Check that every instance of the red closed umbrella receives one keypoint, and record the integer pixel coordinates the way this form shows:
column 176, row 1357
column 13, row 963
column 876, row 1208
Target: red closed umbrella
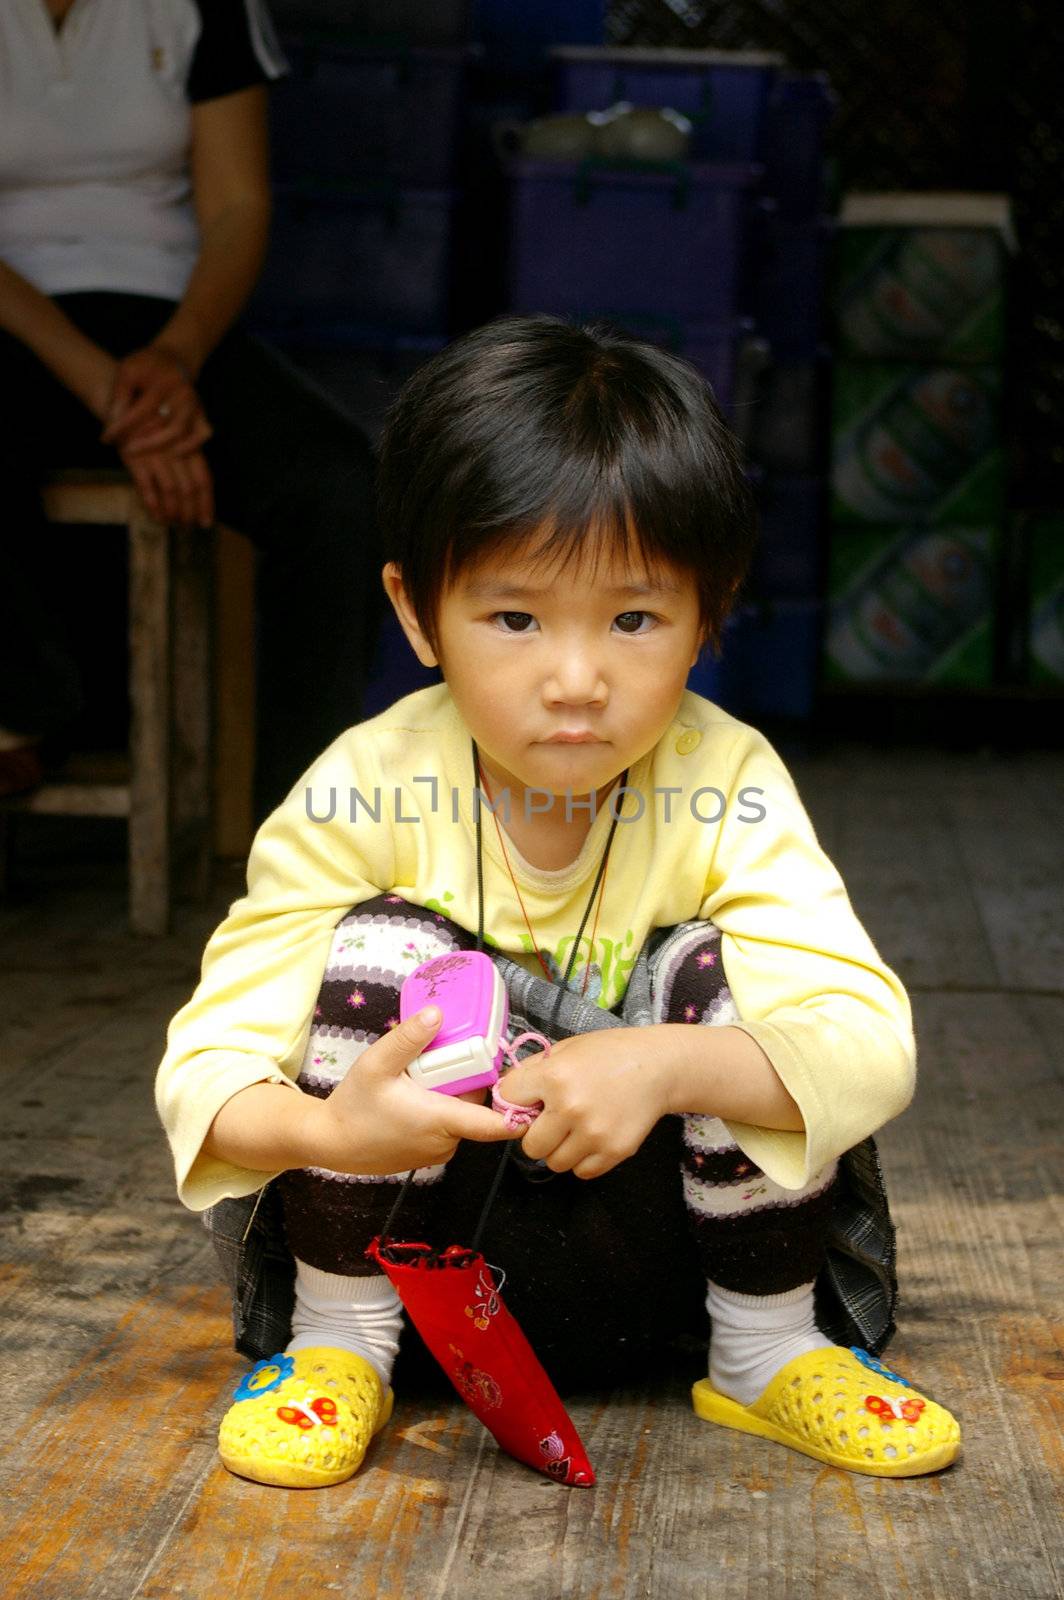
column 453, row 1297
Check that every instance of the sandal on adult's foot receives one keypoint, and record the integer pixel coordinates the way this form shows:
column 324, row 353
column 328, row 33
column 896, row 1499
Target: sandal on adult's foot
column 305, row 1420
column 844, row 1407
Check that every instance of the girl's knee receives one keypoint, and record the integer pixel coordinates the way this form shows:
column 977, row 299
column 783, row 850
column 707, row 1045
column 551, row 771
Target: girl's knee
column 689, row 981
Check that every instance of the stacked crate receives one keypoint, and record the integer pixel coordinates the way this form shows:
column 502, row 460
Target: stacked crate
column 368, row 134
column 720, row 257
column 779, row 628
column 918, row 480
column 367, row 139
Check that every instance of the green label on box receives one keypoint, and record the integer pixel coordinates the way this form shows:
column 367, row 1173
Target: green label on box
column 920, row 294
column 911, row 605
column 916, row 444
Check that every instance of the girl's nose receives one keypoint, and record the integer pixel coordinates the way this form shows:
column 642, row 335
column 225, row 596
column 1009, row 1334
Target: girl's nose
column 576, row 679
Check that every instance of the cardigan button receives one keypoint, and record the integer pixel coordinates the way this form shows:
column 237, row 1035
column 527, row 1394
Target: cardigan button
column 688, row 741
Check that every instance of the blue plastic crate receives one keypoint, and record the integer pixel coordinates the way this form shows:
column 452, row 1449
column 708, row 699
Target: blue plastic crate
column 668, row 240
column 790, row 421
column 352, row 112
column 516, row 34
column 791, row 558
column 719, row 681
column 396, row 670
column 358, row 370
column 776, row 658
column 798, row 114
column 788, row 279
column 375, row 255
column 724, row 93
column 402, row 22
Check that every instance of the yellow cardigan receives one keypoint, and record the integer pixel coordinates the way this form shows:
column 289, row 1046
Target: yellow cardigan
column 712, row 827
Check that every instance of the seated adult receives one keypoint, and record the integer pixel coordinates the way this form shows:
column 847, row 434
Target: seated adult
column 134, row 212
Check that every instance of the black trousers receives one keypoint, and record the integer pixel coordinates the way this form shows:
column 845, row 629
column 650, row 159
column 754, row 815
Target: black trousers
column 291, row 471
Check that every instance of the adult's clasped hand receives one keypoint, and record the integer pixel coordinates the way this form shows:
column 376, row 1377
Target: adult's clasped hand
column 154, row 405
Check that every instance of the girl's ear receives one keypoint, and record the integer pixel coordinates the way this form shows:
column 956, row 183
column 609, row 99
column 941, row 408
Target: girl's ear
column 392, row 579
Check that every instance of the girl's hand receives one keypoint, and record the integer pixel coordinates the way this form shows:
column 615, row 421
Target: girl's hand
column 379, row 1120
column 174, row 488
column 154, row 406
column 602, row 1093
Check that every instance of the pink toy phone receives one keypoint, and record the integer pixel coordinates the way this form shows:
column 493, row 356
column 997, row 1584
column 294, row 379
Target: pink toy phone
column 470, row 1043
column 467, row 1048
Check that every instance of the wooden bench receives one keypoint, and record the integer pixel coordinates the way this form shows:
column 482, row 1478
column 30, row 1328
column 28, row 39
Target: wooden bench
column 187, row 589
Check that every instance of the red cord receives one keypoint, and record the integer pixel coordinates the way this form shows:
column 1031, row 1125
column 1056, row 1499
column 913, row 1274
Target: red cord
column 517, row 891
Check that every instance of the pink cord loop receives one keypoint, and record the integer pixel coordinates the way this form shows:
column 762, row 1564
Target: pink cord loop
column 515, row 1115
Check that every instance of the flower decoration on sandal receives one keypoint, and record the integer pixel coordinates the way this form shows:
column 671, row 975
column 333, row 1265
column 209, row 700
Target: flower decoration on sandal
column 264, row 1376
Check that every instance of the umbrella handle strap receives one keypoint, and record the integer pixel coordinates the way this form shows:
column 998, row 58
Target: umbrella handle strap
column 508, row 1049
column 386, row 1231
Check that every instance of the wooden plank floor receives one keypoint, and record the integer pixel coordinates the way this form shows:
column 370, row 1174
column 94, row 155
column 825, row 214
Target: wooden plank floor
column 115, row 1364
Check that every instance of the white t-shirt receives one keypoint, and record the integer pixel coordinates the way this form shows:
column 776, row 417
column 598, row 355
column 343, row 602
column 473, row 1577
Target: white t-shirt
column 95, row 130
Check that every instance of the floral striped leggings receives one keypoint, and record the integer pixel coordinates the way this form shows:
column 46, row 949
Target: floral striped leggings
column 628, row 1253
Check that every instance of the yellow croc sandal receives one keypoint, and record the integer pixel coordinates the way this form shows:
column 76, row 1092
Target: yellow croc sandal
column 844, row 1407
column 304, row 1420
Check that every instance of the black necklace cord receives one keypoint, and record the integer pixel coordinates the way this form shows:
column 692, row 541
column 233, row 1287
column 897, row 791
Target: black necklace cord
column 408, row 1180
column 562, row 989
column 508, row 1152
column 480, row 845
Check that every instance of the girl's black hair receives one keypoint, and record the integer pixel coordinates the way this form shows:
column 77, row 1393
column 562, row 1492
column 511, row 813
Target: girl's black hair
column 595, row 439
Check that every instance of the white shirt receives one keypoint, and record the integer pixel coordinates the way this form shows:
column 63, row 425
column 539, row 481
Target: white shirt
column 95, row 132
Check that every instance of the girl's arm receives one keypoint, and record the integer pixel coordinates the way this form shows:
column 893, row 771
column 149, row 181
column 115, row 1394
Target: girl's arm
column 230, row 185
column 723, row 1072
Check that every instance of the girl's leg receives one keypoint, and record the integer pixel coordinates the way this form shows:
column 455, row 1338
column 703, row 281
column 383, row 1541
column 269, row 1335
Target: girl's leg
column 772, row 1371
column 305, row 1416
column 341, row 1299
column 761, row 1246
column 613, row 1255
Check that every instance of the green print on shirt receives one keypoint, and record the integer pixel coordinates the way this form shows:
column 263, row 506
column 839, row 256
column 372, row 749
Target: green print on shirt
column 608, row 978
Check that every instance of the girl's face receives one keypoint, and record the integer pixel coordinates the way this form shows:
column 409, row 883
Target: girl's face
column 532, row 653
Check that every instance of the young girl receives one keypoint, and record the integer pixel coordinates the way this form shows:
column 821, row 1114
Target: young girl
column 569, row 524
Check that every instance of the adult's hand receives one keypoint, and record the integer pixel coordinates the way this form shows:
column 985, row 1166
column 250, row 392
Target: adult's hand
column 175, row 488
column 154, row 406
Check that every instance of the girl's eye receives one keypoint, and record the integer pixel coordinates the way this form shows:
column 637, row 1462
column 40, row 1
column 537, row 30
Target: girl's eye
column 628, row 615
column 516, row 617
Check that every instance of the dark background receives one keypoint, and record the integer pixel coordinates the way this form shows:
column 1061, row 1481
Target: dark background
column 959, row 94
column 950, row 96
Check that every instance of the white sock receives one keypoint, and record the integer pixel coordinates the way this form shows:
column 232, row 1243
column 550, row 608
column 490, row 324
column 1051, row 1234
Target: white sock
column 755, row 1335
column 363, row 1315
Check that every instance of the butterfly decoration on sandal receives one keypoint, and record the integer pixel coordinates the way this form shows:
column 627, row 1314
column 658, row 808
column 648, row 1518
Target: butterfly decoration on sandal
column 907, row 1410
column 307, row 1414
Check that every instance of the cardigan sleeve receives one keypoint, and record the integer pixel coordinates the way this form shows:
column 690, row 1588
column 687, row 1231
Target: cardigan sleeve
column 809, row 986
column 249, row 1018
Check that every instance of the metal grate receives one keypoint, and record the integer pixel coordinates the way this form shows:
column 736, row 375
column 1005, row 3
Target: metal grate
column 951, row 96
